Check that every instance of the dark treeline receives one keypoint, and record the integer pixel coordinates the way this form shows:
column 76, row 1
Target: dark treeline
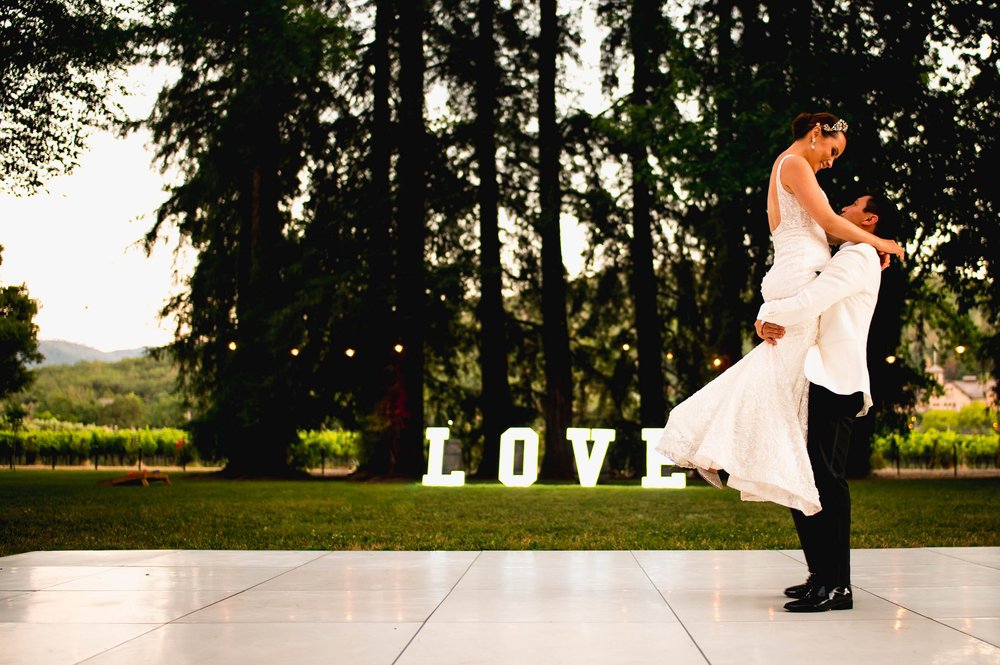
column 375, row 189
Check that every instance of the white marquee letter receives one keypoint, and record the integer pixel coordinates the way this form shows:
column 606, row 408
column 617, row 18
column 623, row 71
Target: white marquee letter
column 655, row 461
column 435, row 461
column 588, row 464
column 529, row 460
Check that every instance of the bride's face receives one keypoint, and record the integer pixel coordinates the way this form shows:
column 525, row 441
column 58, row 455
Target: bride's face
column 828, row 149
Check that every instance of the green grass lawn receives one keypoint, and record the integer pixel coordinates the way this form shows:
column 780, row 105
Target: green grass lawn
column 55, row 510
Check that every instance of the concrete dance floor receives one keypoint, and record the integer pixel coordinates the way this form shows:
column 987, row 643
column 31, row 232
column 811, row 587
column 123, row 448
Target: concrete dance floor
column 926, row 605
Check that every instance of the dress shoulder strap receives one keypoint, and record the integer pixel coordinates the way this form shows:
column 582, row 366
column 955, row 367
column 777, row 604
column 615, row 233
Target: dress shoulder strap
column 780, row 186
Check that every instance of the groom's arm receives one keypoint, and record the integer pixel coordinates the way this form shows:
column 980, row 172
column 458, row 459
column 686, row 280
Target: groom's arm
column 848, row 272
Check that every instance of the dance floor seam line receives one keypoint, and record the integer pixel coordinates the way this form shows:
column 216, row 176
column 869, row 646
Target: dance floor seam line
column 177, row 620
column 929, row 618
column 241, row 591
column 966, row 561
column 672, row 610
column 429, row 616
column 153, row 629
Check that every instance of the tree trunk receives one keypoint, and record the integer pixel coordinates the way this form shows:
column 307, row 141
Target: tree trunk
column 496, row 397
column 729, row 270
column 557, row 463
column 649, row 340
column 689, row 360
column 729, row 266
column 407, row 457
column 377, row 360
column 259, row 437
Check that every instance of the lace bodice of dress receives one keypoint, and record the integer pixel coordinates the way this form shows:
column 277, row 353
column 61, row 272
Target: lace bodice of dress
column 800, row 247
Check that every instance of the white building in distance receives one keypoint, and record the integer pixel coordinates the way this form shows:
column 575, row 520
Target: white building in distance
column 958, row 393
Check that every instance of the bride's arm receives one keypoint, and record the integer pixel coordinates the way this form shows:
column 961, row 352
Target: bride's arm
column 802, row 181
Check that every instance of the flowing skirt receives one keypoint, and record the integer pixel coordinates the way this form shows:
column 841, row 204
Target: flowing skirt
column 751, row 421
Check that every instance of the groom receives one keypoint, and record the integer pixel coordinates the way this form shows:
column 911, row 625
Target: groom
column 843, row 296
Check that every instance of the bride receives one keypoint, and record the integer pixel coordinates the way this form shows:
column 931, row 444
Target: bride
column 751, row 419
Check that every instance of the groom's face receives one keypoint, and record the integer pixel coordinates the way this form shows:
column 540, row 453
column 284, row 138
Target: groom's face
column 855, row 212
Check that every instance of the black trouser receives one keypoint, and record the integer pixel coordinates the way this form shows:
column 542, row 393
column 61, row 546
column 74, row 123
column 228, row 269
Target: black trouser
column 826, row 536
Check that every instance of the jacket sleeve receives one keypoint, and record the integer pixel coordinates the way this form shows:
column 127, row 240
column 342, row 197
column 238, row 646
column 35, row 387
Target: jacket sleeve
column 847, row 273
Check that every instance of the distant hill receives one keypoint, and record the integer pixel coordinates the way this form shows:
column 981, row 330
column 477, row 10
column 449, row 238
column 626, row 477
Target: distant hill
column 59, row 352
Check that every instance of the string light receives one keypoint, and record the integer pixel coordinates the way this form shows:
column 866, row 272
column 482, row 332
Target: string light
column 960, row 349
column 232, row 346
column 349, row 353
column 625, row 346
column 399, row 348
column 890, row 359
column 294, row 352
column 716, row 362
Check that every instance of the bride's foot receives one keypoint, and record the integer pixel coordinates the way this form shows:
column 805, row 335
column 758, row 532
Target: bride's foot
column 711, row 476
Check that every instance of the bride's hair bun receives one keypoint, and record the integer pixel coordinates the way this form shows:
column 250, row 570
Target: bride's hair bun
column 804, row 122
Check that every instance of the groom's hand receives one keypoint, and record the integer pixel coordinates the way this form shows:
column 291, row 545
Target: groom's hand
column 769, row 332
column 884, row 258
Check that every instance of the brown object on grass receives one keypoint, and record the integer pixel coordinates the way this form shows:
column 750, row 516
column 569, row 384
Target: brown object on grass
column 139, row 478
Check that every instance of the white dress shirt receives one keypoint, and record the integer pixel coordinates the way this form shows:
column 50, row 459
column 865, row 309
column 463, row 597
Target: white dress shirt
column 843, row 296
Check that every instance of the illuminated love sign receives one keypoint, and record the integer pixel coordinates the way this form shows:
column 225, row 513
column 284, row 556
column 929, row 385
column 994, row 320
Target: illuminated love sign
column 589, row 459
column 435, row 461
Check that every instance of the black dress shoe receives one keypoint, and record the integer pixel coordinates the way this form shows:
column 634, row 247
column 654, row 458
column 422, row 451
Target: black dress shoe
column 819, row 599
column 800, row 590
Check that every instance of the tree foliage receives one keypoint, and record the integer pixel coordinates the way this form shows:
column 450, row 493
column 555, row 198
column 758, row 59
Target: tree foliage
column 59, row 65
column 134, row 392
column 18, row 337
column 241, row 123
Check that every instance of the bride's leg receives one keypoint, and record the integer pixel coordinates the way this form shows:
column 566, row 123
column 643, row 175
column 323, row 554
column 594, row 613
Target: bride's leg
column 711, row 476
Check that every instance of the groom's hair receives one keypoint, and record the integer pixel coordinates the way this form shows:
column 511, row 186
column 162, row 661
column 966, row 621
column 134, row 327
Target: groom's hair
column 888, row 214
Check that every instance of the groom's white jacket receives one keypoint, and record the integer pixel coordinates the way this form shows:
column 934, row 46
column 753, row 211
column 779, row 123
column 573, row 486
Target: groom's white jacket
column 843, row 296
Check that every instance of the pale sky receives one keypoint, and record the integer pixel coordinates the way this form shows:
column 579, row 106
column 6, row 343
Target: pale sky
column 77, row 246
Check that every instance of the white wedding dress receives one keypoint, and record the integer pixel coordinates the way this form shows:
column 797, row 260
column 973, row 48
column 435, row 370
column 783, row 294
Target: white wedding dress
column 751, row 419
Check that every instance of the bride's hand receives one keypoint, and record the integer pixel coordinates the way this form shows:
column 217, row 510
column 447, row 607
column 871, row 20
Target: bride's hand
column 886, row 246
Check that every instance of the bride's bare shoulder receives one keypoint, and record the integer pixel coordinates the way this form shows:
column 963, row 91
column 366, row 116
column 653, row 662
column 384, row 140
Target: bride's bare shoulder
column 794, row 170
column 782, row 161
column 788, row 157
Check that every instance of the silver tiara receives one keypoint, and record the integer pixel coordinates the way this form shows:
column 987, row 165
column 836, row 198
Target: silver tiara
column 839, row 126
